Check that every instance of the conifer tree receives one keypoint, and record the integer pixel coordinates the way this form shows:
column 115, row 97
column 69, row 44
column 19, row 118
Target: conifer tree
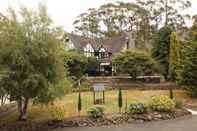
column 174, row 59
column 120, row 99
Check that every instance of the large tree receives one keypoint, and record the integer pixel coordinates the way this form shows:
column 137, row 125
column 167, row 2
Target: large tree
column 135, row 63
column 31, row 58
column 161, row 49
column 189, row 68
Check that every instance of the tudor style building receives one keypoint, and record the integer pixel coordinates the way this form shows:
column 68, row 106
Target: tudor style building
column 103, row 50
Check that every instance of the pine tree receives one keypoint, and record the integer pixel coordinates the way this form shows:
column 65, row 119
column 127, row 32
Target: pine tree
column 120, row 100
column 79, row 103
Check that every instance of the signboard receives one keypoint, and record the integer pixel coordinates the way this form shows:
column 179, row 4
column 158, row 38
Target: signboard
column 99, row 87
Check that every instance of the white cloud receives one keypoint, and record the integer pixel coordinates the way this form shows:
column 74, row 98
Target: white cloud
column 63, row 12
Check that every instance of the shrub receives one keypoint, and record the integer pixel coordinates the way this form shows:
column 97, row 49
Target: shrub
column 96, row 112
column 161, row 103
column 79, row 106
column 57, row 113
column 137, row 108
column 120, row 99
column 178, row 104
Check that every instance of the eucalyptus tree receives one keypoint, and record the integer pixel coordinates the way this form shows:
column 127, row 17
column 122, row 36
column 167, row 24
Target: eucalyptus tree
column 31, row 58
column 88, row 24
column 167, row 11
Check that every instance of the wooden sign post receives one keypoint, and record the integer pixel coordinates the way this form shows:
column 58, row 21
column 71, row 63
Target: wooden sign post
column 98, row 88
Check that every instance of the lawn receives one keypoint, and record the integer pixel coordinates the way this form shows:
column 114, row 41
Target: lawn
column 69, row 102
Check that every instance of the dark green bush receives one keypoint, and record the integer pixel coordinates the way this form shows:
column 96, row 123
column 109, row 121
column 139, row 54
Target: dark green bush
column 137, row 108
column 96, row 112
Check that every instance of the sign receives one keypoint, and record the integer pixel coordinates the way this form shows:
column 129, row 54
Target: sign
column 99, row 87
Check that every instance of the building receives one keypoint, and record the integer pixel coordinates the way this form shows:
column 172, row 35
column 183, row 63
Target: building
column 102, row 49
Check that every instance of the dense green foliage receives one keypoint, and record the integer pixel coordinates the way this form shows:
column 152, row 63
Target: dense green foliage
column 161, row 49
column 174, row 58
column 135, row 63
column 162, row 103
column 96, row 112
column 31, row 58
column 120, row 100
column 78, row 64
column 189, row 67
column 137, row 108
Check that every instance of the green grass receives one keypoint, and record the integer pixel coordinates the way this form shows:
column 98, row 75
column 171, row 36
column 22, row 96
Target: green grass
column 42, row 113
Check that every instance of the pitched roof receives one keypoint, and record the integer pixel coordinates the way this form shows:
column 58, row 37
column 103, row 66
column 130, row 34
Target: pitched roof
column 113, row 45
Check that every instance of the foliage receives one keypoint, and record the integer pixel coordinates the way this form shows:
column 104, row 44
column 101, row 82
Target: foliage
column 92, row 65
column 78, row 64
column 174, row 58
column 135, row 63
column 120, row 101
column 96, row 112
column 58, row 113
column 162, row 103
column 31, row 57
column 188, row 73
column 79, row 107
column 161, row 49
column 143, row 18
column 178, row 104
column 137, row 108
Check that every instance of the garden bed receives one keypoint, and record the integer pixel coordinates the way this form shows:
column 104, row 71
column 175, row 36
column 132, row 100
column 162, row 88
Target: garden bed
column 85, row 121
column 118, row 119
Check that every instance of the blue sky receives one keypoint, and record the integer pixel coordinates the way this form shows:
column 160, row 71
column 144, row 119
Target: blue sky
column 63, row 12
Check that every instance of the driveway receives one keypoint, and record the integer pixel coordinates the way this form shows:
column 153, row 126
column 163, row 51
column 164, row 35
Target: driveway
column 188, row 123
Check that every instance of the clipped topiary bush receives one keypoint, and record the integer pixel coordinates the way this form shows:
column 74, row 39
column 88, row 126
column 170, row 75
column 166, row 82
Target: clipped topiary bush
column 96, row 112
column 137, row 108
column 162, row 103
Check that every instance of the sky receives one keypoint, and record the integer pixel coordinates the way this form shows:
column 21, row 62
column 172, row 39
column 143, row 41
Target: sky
column 64, row 12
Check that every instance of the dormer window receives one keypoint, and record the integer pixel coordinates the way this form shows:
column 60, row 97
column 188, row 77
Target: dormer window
column 88, row 50
column 103, row 53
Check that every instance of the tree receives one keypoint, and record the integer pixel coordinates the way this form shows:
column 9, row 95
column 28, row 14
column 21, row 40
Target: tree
column 169, row 9
column 120, row 99
column 189, row 68
column 135, row 63
column 31, row 58
column 79, row 106
column 76, row 63
column 174, row 60
column 161, row 49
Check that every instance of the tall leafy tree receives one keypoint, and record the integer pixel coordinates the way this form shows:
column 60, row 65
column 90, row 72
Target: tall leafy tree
column 161, row 49
column 189, row 68
column 31, row 58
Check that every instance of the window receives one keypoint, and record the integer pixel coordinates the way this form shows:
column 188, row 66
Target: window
column 88, row 50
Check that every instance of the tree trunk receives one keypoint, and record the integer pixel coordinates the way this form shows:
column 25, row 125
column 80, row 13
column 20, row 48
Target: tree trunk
column 166, row 13
column 22, row 108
